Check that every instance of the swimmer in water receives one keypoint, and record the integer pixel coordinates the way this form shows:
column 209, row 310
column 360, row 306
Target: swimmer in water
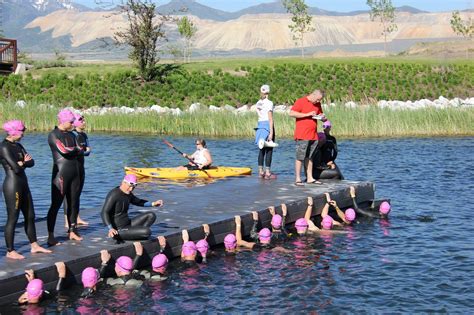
column 125, row 268
column 158, row 264
column 35, row 291
column 115, row 212
column 384, row 208
column 16, row 191
column 278, row 223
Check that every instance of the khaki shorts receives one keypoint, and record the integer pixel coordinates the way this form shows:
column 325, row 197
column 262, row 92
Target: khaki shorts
column 305, row 149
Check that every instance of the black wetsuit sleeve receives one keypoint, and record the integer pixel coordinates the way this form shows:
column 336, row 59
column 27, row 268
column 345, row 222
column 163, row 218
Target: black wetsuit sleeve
column 108, row 208
column 253, row 231
column 283, row 226
column 9, row 157
column 361, row 211
column 29, row 163
column 61, row 284
column 335, row 150
column 137, row 201
column 103, row 270
column 136, row 260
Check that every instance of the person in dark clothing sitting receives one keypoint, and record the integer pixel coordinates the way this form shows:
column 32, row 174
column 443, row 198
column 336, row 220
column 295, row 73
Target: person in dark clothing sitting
column 115, row 212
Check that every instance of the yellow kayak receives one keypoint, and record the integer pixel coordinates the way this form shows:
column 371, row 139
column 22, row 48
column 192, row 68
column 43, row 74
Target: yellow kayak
column 173, row 173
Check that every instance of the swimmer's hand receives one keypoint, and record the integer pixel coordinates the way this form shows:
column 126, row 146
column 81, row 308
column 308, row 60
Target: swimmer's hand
column 29, row 274
column 328, row 197
column 333, row 203
column 112, row 233
column 138, row 248
column 352, row 192
column 310, row 201
column 104, row 256
column 207, row 229
column 284, row 209
column 61, row 268
column 162, row 241
column 237, row 220
column 157, row 203
column 272, row 210
column 255, row 215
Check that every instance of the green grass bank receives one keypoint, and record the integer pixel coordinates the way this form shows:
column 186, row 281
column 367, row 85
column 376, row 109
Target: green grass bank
column 237, row 82
column 361, row 122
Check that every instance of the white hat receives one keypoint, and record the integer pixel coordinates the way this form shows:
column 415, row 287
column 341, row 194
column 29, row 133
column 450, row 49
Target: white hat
column 265, row 89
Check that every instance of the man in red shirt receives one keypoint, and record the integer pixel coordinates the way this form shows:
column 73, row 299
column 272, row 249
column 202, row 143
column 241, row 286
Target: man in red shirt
column 306, row 110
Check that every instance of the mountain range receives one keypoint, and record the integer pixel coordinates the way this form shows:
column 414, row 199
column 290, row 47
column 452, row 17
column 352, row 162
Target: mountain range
column 43, row 25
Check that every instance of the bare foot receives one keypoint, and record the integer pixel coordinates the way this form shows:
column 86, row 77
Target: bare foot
column 81, row 222
column 35, row 248
column 14, row 255
column 52, row 241
column 73, row 236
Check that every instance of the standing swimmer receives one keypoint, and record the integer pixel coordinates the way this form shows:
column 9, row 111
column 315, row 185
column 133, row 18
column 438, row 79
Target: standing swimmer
column 65, row 182
column 83, row 142
column 15, row 159
column 265, row 133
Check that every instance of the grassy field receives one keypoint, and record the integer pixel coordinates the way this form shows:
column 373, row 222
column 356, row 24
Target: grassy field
column 363, row 122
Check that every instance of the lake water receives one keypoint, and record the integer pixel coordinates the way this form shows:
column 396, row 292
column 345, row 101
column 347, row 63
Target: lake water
column 421, row 260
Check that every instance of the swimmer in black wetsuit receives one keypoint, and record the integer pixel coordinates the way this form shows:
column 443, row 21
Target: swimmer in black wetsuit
column 125, row 268
column 83, row 142
column 115, row 212
column 35, row 292
column 383, row 212
column 158, row 264
column 327, row 167
column 189, row 250
column 15, row 159
column 278, row 223
column 65, row 181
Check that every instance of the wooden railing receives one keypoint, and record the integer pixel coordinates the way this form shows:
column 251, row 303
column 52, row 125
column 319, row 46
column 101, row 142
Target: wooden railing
column 9, row 53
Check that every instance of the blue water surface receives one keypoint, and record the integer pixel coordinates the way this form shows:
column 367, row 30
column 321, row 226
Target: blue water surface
column 421, row 260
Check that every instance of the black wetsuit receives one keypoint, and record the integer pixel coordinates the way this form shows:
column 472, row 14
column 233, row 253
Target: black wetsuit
column 115, row 215
column 254, row 235
column 83, row 143
column 134, row 278
column 327, row 153
column 362, row 211
column 16, row 191
column 65, row 181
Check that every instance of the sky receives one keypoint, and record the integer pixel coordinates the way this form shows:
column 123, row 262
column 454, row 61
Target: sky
column 330, row 5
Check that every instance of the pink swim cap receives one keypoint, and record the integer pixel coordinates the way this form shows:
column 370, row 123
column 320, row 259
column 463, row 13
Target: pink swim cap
column 202, row 246
column 350, row 214
column 326, row 223
column 301, row 225
column 276, row 221
column 131, row 179
column 34, row 289
column 79, row 120
column 230, row 242
column 327, row 124
column 89, row 277
column 321, row 137
column 14, row 127
column 265, row 235
column 160, row 261
column 66, row 115
column 385, row 207
column 189, row 248
column 124, row 263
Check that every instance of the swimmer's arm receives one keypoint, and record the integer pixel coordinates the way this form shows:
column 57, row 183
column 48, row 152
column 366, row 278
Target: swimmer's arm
column 30, row 162
column 340, row 214
column 238, row 234
column 107, row 209
column 309, row 209
column 105, row 258
column 139, row 202
column 311, row 226
column 138, row 254
column 161, row 243
column 12, row 162
column 325, row 210
column 61, row 269
column 253, row 231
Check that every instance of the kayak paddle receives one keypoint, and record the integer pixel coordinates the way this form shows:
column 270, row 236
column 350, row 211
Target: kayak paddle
column 189, row 159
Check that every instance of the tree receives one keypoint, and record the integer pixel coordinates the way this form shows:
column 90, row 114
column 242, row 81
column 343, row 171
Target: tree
column 462, row 28
column 144, row 30
column 187, row 30
column 384, row 11
column 302, row 21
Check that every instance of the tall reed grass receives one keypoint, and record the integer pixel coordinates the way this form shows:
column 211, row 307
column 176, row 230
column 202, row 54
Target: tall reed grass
column 361, row 122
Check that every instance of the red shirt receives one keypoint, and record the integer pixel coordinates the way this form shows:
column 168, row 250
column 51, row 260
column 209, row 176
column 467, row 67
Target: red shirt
column 306, row 128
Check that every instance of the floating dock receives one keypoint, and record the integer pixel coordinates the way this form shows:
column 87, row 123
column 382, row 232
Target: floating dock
column 215, row 204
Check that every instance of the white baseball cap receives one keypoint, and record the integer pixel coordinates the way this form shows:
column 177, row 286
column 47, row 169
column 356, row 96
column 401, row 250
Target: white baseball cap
column 265, row 89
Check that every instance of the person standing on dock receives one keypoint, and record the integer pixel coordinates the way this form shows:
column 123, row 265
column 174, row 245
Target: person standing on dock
column 83, row 142
column 115, row 212
column 65, row 181
column 307, row 110
column 15, row 159
column 265, row 133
